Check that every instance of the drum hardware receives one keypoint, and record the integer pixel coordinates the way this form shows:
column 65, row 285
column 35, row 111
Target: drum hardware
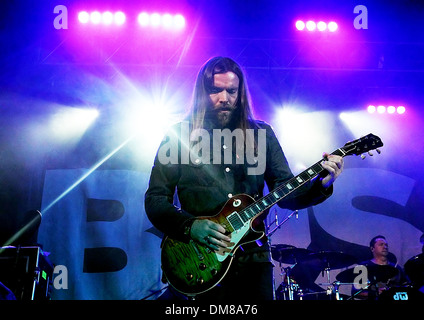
column 334, row 288
column 304, row 260
column 278, row 225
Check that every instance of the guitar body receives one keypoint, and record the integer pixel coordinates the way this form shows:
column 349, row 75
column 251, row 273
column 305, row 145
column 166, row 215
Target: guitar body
column 192, row 268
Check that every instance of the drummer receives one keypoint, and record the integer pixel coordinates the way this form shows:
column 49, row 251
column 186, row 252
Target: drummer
column 379, row 278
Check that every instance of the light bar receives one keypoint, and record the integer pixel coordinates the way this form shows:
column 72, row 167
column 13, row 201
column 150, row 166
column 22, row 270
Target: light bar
column 152, row 20
column 381, row 109
column 321, row 26
column 157, row 20
column 104, row 18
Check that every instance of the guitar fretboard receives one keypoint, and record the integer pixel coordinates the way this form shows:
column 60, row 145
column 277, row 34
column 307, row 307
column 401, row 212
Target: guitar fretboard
column 239, row 219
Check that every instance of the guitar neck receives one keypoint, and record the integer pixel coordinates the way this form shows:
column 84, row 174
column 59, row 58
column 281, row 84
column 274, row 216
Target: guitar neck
column 238, row 219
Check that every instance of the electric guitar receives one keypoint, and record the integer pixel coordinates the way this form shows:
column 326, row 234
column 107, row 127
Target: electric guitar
column 192, row 268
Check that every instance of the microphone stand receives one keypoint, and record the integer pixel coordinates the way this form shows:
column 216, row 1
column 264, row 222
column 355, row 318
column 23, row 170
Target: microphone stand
column 269, row 234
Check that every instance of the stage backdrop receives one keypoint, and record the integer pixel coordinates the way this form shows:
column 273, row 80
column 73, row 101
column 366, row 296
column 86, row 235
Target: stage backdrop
column 100, row 233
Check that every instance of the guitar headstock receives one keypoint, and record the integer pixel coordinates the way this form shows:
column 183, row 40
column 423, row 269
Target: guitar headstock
column 362, row 145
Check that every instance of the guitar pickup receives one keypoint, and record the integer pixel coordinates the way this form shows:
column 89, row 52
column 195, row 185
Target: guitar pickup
column 194, row 245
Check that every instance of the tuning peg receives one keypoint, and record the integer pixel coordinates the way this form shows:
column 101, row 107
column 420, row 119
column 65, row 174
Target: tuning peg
column 363, row 156
column 378, row 151
column 370, row 153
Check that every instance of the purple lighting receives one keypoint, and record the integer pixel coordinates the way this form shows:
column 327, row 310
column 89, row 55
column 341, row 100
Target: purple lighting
column 381, row 109
column 157, row 20
column 321, row 26
column 311, row 25
column 401, row 109
column 83, row 17
column 371, row 109
column 119, row 18
column 300, row 25
column 104, row 18
column 95, row 17
column 332, row 26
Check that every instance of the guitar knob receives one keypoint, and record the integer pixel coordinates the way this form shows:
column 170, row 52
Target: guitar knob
column 202, row 266
column 189, row 276
column 200, row 281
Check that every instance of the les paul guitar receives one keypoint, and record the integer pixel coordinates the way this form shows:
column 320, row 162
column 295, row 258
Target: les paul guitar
column 192, row 268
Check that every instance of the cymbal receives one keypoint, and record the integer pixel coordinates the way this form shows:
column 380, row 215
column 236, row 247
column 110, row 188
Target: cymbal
column 288, row 254
column 375, row 273
column 332, row 259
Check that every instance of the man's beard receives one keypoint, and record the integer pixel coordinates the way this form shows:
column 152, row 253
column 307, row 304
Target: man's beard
column 223, row 116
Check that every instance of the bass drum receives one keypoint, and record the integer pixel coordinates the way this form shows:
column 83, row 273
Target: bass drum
column 401, row 294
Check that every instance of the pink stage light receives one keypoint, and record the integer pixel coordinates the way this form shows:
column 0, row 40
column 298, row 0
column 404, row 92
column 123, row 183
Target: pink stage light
column 401, row 110
column 143, row 19
column 155, row 19
column 332, row 26
column 119, row 18
column 107, row 18
column 83, row 17
column 300, row 25
column 179, row 21
column 166, row 21
column 311, row 25
column 391, row 109
column 95, row 17
column 381, row 109
column 371, row 109
column 321, row 26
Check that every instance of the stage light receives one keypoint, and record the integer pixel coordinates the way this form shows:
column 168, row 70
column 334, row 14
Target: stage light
column 155, row 19
column 391, row 109
column 381, row 109
column 332, row 26
column 311, row 25
column 71, row 122
column 401, row 110
column 179, row 21
column 95, row 17
column 321, row 26
column 300, row 25
column 83, row 17
column 119, row 18
column 167, row 20
column 371, row 109
column 107, row 18
column 143, row 19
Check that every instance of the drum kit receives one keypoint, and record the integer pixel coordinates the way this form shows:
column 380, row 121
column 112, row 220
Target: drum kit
column 303, row 267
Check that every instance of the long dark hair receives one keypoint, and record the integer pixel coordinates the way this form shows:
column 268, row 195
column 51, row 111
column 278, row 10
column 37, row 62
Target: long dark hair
column 205, row 79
